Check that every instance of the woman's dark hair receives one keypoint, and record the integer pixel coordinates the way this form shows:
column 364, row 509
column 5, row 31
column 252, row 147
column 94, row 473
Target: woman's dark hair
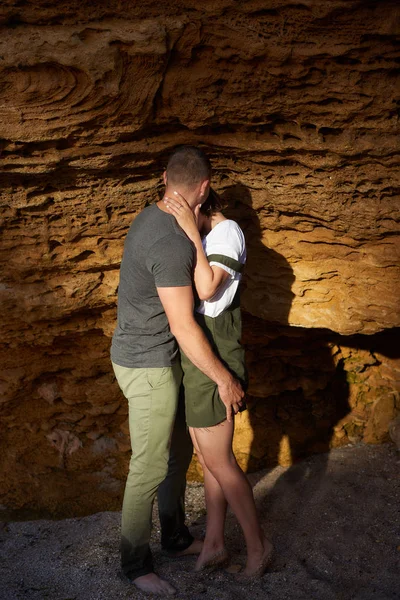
column 213, row 204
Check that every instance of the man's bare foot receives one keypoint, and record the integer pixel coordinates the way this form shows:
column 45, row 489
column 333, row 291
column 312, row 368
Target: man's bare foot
column 194, row 548
column 258, row 562
column 213, row 558
column 152, row 584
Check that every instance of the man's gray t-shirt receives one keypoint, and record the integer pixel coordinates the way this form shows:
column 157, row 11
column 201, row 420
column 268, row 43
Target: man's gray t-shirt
column 156, row 254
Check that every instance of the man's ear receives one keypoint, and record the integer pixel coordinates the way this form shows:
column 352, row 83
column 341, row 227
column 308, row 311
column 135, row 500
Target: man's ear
column 204, row 187
column 165, row 178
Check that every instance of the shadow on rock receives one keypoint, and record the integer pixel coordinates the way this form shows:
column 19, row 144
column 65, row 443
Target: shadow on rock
column 297, row 390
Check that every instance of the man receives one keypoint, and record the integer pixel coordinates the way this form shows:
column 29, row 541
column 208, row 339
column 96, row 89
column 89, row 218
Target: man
column 155, row 314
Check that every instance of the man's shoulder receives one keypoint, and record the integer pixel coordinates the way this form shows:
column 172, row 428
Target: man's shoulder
column 172, row 242
column 152, row 224
column 147, row 214
column 160, row 222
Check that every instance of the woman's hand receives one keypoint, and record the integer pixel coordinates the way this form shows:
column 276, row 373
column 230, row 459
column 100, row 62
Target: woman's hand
column 186, row 218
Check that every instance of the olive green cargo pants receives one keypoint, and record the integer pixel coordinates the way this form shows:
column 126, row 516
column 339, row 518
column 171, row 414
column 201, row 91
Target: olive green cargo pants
column 161, row 454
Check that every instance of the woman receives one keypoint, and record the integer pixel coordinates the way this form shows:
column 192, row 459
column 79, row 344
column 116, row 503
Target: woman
column 220, row 257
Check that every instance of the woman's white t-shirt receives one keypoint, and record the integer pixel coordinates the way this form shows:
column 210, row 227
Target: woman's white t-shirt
column 225, row 238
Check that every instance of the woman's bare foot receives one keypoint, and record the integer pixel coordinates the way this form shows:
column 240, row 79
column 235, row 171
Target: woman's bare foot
column 152, row 584
column 258, row 562
column 212, row 558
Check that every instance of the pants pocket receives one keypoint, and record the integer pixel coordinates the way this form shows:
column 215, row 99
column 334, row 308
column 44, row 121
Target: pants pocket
column 158, row 376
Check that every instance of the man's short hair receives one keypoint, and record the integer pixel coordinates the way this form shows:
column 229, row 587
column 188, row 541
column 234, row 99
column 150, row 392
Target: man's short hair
column 188, row 166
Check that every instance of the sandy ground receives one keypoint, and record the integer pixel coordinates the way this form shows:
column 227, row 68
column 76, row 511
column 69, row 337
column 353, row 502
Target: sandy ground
column 334, row 520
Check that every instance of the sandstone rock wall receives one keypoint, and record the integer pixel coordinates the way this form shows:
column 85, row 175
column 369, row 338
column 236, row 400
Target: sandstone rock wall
column 297, row 107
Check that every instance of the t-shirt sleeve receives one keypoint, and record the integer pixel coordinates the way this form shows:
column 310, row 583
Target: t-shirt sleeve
column 170, row 260
column 228, row 244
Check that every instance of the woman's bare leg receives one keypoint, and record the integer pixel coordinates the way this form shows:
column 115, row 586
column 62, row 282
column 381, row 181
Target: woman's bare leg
column 215, row 446
column 214, row 546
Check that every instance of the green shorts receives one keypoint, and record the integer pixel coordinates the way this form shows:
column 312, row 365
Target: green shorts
column 204, row 407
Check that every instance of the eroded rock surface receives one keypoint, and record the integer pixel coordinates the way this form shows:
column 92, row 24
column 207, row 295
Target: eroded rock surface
column 297, row 107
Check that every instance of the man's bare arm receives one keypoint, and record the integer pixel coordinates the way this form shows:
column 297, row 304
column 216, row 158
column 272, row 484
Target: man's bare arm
column 178, row 306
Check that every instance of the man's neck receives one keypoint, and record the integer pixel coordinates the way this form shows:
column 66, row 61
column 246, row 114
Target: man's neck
column 161, row 206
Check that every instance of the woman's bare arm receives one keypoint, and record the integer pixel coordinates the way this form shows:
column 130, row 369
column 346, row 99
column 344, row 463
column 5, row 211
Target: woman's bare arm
column 207, row 278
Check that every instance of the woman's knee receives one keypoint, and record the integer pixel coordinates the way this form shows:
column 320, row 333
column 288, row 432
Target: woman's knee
column 218, row 465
